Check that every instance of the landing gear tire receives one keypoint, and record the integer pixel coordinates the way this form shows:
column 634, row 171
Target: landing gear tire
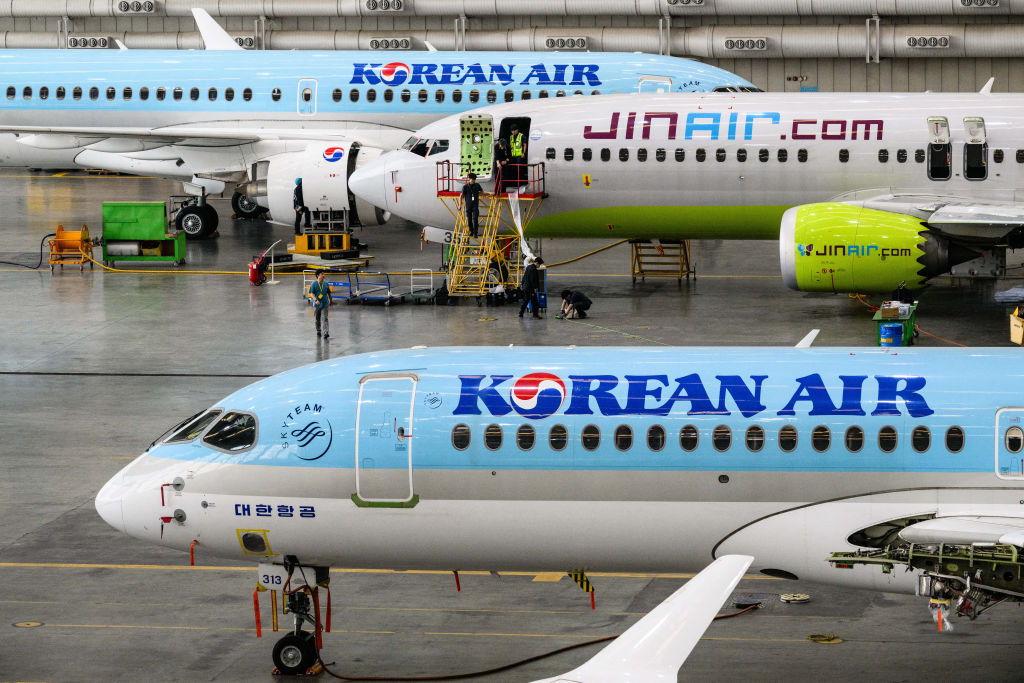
column 245, row 206
column 295, row 654
column 197, row 221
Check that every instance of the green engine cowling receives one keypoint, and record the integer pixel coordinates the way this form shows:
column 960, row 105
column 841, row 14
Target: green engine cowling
column 834, row 247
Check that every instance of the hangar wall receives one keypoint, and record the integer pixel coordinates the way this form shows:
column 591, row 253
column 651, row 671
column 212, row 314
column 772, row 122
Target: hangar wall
column 830, row 53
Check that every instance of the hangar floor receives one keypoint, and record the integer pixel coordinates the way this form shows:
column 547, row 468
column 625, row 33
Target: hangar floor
column 95, row 364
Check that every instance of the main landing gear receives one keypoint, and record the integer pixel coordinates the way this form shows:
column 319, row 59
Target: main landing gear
column 196, row 218
column 245, row 206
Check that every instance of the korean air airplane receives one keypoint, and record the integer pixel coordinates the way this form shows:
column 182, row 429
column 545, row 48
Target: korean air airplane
column 894, row 470
column 256, row 121
column 862, row 191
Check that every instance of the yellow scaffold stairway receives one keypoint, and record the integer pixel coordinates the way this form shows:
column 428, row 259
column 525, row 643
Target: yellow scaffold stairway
column 477, row 264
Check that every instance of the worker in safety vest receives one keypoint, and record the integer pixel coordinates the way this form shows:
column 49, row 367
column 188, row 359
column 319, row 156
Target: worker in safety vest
column 517, row 154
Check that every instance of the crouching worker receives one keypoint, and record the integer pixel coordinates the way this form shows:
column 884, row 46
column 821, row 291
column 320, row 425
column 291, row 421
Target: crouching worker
column 575, row 304
column 320, row 294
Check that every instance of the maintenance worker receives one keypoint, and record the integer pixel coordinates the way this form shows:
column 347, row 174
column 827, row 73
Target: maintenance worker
column 529, row 286
column 300, row 206
column 501, row 168
column 575, row 304
column 471, row 203
column 517, row 154
column 320, row 293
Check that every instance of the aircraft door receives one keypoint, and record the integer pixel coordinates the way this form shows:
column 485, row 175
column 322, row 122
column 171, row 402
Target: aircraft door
column 1010, row 443
column 477, row 147
column 940, row 149
column 383, row 450
column 654, row 84
column 306, row 99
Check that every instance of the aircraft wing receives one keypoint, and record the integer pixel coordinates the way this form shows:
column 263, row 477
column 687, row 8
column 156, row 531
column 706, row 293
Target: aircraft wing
column 967, row 530
column 656, row 646
column 979, row 218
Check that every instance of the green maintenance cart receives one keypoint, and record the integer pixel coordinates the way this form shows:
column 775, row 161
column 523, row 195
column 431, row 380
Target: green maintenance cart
column 137, row 231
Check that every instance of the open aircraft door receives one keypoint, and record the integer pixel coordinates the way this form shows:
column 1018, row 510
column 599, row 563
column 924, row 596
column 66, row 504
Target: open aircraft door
column 1010, row 443
column 383, row 450
column 654, row 84
column 477, row 145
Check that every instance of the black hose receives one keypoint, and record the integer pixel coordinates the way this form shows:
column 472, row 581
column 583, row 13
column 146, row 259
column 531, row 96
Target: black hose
column 38, row 265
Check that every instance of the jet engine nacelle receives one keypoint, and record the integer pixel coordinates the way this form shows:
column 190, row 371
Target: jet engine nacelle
column 324, row 168
column 834, row 247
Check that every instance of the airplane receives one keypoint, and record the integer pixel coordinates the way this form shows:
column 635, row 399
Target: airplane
column 834, row 465
column 863, row 191
column 256, row 121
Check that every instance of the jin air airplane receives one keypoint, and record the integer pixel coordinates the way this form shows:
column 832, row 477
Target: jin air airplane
column 894, row 470
column 256, row 121
column 862, row 191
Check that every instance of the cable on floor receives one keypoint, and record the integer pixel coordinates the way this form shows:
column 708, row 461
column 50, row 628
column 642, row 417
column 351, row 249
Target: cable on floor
column 917, row 328
column 38, row 265
column 589, row 253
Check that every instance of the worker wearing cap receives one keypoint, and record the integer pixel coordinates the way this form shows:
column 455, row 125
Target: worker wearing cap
column 471, row 204
column 300, row 206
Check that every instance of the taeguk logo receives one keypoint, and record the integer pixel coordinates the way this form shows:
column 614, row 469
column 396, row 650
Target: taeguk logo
column 538, row 395
column 333, row 154
column 394, row 73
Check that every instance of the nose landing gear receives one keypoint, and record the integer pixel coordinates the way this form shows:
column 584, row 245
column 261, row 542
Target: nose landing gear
column 297, row 652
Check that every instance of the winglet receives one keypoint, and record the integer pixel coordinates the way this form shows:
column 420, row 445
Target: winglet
column 987, row 88
column 214, row 37
column 655, row 647
column 806, row 342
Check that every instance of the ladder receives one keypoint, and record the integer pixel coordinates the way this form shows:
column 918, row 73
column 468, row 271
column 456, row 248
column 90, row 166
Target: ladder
column 666, row 258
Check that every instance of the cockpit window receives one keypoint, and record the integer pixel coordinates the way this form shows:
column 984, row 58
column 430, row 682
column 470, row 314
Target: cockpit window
column 233, row 433
column 438, row 147
column 420, row 148
column 189, row 429
column 407, row 145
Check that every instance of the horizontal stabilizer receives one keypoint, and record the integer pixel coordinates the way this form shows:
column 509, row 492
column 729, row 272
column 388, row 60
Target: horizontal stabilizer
column 966, row 530
column 655, row 647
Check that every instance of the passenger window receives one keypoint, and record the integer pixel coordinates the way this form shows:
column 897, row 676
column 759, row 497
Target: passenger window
column 641, row 154
column 493, row 435
column 700, row 155
column 586, row 154
column 680, row 154
column 509, row 95
column 763, row 155
column 61, row 92
column 921, row 439
column 229, row 94
column 954, row 439
column 844, row 155
column 606, row 154
column 126, row 94
column 492, row 97
column 741, row 155
column 854, row 439
column 460, row 437
column 549, row 153
column 901, row 156
column 821, row 438
column 11, row 92
column 997, row 156
column 405, row 95
column 590, row 437
column 883, row 156
column 1014, row 439
column 595, row 92
column 659, row 154
column 439, row 95
column 177, row 94
column 371, row 95
column 76, row 93
column 353, row 95
column 782, row 155
column 389, row 95
column 525, row 437
column 94, row 93
column 577, row 92
column 623, row 154
column 567, row 154
column 887, row 439
column 275, row 94
column 755, row 438
column 44, row 92
column 211, row 94
column 689, row 437
column 192, row 427
column 111, row 93
column 558, row 437
column 787, row 438
column 143, row 93
column 234, row 432
column 623, row 437
column 1020, row 156
column 422, row 96
column 919, row 156
column 656, row 437
column 474, row 95
column 542, row 94
column 161, row 93
column 194, row 94
column 560, row 93
column 801, row 155
column 456, row 96
column 525, row 95
column 719, row 154
column 247, row 94
column 721, row 438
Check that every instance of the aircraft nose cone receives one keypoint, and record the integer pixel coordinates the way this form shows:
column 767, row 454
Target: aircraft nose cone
column 109, row 503
column 368, row 183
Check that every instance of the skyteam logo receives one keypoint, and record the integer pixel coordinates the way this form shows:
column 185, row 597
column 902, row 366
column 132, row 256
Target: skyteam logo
column 333, row 154
column 538, row 395
column 306, row 431
column 395, row 73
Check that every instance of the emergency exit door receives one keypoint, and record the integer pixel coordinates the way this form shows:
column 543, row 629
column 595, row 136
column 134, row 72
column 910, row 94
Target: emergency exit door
column 383, row 450
column 1010, row 443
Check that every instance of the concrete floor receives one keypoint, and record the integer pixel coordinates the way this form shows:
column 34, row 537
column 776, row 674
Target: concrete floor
column 94, row 365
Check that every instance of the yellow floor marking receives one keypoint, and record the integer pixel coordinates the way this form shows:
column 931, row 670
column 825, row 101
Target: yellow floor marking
column 735, row 277
column 553, row 577
column 165, row 628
